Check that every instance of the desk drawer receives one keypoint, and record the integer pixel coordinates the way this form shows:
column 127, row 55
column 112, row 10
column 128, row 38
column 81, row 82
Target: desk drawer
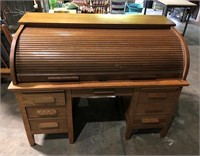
column 157, row 107
column 43, row 112
column 149, row 120
column 158, row 94
column 48, row 125
column 43, row 99
column 102, row 92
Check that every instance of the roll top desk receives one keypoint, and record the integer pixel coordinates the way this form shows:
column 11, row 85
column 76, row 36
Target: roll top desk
column 56, row 57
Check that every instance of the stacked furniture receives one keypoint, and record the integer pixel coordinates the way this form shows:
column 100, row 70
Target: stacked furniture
column 118, row 6
column 134, row 7
column 55, row 58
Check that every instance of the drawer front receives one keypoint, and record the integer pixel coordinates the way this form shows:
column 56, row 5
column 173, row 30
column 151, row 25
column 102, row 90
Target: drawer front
column 48, row 125
column 124, row 91
column 150, row 108
column 43, row 112
column 82, row 92
column 158, row 94
column 149, row 120
column 39, row 99
column 102, row 92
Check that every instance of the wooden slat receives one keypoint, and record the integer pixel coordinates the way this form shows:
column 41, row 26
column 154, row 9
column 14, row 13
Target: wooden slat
column 124, row 54
column 12, row 54
column 7, row 33
column 5, row 72
column 3, row 63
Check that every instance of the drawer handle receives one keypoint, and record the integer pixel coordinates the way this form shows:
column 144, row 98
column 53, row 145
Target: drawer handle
column 150, row 120
column 47, row 112
column 44, row 100
column 104, row 92
column 48, row 125
column 157, row 96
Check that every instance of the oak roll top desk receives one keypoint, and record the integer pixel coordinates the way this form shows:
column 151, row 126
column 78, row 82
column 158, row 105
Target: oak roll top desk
column 56, row 57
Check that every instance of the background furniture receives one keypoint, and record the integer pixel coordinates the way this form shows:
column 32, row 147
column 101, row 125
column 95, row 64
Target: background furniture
column 134, row 7
column 196, row 9
column 100, row 6
column 172, row 4
column 6, row 39
column 118, row 6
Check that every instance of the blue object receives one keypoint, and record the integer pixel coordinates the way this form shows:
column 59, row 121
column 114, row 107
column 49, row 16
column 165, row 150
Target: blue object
column 134, row 7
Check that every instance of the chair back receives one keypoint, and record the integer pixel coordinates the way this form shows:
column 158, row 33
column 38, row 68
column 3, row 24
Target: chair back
column 6, row 39
column 80, row 2
column 100, row 6
column 118, row 6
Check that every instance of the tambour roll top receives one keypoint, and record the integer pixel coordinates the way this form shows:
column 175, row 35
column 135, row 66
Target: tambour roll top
column 80, row 47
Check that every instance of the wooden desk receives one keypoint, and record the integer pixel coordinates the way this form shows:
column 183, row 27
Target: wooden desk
column 172, row 4
column 56, row 57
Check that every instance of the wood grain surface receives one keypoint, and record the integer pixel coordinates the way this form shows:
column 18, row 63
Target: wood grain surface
column 84, row 85
column 95, row 20
column 61, row 54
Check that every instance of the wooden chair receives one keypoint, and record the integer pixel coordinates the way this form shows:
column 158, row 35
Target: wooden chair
column 100, row 6
column 6, row 39
column 118, row 6
column 80, row 2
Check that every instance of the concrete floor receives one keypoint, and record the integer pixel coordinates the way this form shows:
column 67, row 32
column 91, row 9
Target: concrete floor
column 100, row 127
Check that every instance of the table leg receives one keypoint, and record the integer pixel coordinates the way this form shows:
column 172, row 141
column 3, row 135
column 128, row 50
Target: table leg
column 145, row 6
column 188, row 18
column 165, row 10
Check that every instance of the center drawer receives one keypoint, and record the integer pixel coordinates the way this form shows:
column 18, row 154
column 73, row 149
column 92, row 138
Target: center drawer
column 43, row 99
column 102, row 92
column 44, row 112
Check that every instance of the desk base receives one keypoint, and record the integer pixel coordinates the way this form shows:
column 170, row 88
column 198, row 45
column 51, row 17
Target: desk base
column 47, row 107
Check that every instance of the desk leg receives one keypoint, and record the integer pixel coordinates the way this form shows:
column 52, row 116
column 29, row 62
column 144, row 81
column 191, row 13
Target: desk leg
column 70, row 117
column 29, row 134
column 130, row 114
column 188, row 18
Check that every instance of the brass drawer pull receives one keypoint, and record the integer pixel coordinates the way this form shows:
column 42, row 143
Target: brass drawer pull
column 150, row 120
column 47, row 112
column 48, row 125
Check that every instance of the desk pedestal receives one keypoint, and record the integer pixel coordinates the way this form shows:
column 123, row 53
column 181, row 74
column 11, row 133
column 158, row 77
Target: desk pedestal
column 47, row 107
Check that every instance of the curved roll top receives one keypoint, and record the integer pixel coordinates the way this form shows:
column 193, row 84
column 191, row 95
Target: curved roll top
column 79, row 54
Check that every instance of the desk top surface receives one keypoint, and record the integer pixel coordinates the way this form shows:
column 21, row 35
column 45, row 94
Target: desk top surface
column 176, row 3
column 96, row 84
column 96, row 20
